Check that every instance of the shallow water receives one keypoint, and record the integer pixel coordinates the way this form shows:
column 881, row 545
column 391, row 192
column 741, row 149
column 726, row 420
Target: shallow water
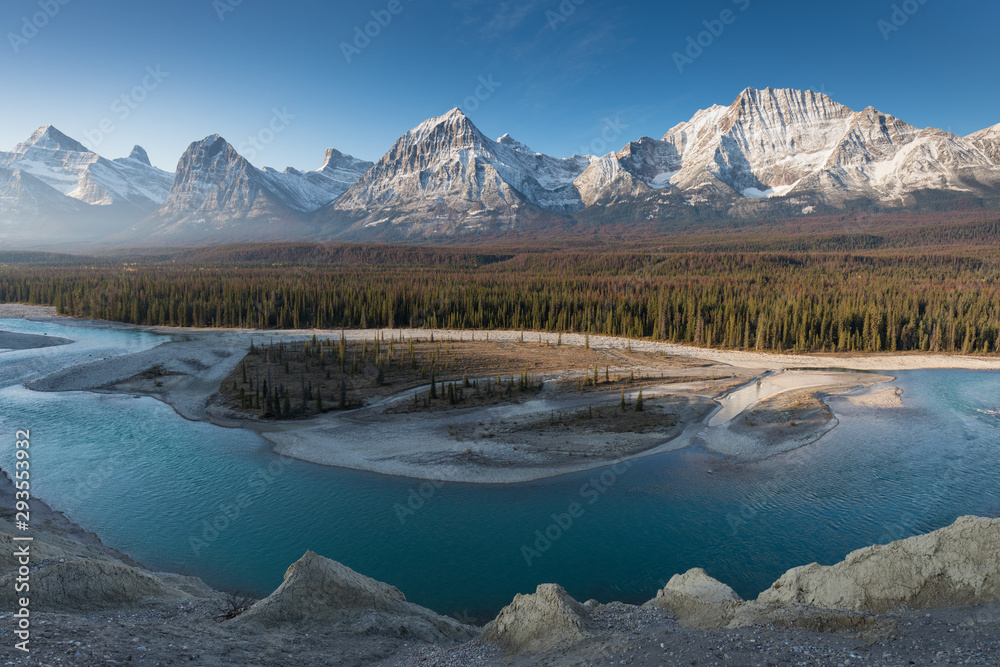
column 216, row 503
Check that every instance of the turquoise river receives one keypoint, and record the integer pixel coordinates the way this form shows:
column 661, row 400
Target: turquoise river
column 217, row 503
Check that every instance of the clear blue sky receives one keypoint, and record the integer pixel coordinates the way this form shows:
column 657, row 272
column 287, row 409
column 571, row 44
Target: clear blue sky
column 603, row 59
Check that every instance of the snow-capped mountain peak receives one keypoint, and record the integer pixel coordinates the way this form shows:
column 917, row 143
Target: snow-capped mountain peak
column 139, row 155
column 778, row 142
column 47, row 137
column 71, row 169
column 454, row 118
column 331, row 157
column 446, row 168
column 511, row 142
column 216, row 188
column 214, row 185
column 344, row 168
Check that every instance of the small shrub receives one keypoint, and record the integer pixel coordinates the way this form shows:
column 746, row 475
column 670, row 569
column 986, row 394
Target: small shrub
column 235, row 605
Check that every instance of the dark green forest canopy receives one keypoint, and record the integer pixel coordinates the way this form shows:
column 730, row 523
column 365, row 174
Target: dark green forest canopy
column 903, row 287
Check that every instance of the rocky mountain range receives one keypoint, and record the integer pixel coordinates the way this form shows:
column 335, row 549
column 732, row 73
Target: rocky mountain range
column 771, row 152
column 217, row 195
column 446, row 171
column 786, row 151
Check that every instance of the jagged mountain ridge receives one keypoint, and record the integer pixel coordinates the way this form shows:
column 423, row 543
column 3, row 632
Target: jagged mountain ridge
column 309, row 191
column 782, row 143
column 217, row 193
column 52, row 188
column 797, row 148
column 446, row 170
column 771, row 152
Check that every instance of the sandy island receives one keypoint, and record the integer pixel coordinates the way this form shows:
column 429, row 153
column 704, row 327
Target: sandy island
column 743, row 405
column 886, row 398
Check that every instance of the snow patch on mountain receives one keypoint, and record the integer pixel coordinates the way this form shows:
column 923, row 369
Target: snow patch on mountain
column 988, row 141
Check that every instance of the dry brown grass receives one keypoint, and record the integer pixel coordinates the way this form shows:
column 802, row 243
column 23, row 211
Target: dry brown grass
column 304, row 379
column 785, row 415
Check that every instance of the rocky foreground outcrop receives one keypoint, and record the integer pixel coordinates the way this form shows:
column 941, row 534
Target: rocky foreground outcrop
column 102, row 607
column 71, row 571
column 698, row 600
column 89, row 584
column 703, row 603
column 545, row 620
column 319, row 591
column 957, row 565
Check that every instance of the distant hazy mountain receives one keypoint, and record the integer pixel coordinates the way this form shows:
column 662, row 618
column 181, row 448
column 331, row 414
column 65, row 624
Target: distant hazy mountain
column 32, row 211
column 309, row 191
column 74, row 171
column 56, row 190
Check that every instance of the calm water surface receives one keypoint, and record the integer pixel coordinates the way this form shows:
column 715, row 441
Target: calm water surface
column 216, row 503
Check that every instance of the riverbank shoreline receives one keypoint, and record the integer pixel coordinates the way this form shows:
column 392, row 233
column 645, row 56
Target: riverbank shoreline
column 882, row 361
column 690, row 402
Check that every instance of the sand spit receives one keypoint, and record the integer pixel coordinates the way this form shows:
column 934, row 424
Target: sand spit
column 792, row 412
column 16, row 341
column 769, row 385
column 184, row 373
column 491, row 445
column 527, row 441
column 886, row 398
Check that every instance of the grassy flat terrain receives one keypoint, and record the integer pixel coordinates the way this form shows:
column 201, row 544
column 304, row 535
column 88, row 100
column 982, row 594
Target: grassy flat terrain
column 287, row 380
